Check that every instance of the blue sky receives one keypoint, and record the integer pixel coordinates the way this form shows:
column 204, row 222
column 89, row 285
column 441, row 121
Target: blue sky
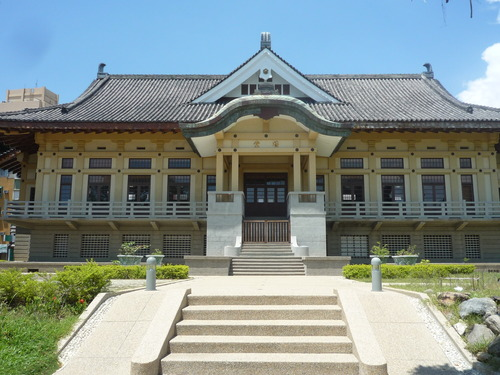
column 59, row 44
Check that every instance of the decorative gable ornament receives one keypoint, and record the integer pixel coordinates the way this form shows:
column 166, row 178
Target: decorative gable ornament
column 265, row 74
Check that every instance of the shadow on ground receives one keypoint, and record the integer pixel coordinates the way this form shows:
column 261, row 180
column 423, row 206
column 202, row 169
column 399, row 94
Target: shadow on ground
column 445, row 369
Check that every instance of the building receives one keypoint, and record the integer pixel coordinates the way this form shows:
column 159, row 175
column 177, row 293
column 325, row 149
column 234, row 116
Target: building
column 20, row 99
column 190, row 163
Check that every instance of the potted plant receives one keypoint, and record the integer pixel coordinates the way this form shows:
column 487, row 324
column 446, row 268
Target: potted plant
column 127, row 252
column 406, row 257
column 380, row 251
column 158, row 255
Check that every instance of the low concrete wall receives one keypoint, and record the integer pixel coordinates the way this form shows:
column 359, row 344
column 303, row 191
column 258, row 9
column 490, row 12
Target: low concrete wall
column 325, row 266
column 207, row 265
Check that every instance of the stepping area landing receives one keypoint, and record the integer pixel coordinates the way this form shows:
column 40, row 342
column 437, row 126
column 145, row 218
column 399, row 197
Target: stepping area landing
column 403, row 338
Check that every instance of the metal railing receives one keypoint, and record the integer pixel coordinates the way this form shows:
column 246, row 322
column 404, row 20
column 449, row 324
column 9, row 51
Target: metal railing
column 104, row 210
column 266, row 231
column 412, row 210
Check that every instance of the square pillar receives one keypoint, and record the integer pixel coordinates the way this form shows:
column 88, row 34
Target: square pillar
column 219, row 172
column 296, row 172
column 312, row 171
column 224, row 220
column 234, row 171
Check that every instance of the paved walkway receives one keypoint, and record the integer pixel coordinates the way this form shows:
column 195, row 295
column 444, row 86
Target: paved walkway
column 405, row 340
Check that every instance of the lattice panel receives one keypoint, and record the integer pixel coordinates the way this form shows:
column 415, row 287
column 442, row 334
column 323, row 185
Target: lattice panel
column 438, row 246
column 94, row 246
column 61, row 244
column 354, row 246
column 139, row 239
column 205, row 244
column 396, row 242
column 472, row 246
column 176, row 245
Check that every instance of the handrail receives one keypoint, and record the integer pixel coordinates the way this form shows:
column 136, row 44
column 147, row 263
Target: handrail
column 412, row 210
column 103, row 210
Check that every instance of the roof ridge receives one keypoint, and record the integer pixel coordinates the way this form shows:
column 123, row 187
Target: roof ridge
column 167, row 76
column 365, row 76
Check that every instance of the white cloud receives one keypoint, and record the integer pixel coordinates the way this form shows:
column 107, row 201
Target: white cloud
column 486, row 90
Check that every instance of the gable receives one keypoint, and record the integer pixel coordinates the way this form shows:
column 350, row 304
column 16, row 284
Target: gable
column 266, row 70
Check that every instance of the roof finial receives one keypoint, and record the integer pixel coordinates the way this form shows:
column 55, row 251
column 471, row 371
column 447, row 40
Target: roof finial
column 100, row 71
column 429, row 73
column 265, row 40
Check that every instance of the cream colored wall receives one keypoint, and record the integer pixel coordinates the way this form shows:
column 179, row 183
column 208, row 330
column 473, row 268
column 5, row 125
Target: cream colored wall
column 263, row 156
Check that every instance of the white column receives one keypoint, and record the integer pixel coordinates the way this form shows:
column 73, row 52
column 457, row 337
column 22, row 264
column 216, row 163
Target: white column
column 296, row 172
column 312, row 171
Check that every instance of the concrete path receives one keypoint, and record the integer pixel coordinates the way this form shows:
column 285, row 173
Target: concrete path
column 404, row 338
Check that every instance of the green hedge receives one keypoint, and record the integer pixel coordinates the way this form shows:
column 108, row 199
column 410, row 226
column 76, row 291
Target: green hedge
column 73, row 288
column 390, row 271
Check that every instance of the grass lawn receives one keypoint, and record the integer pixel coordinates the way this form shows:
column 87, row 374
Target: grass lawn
column 28, row 341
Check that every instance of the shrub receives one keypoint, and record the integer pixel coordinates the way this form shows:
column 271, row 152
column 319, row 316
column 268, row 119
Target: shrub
column 170, row 271
column 390, row 271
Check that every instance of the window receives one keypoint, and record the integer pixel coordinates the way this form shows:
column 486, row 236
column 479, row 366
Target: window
column 351, row 163
column 354, row 246
column 139, row 163
column 177, row 163
column 432, row 163
column 353, row 188
column 465, row 163
column 67, row 163
column 393, row 188
column 472, row 246
column 61, row 244
column 176, row 245
column 467, row 188
column 433, row 188
column 99, row 188
column 282, row 89
column 391, row 163
column 101, row 163
column 94, row 246
column 438, row 246
column 320, row 183
column 179, row 188
column 138, row 188
column 396, row 242
column 211, row 184
column 139, row 239
column 65, row 187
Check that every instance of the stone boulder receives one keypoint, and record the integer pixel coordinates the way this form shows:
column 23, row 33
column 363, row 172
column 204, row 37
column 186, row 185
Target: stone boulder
column 449, row 298
column 494, row 347
column 480, row 306
column 493, row 323
column 460, row 327
column 480, row 333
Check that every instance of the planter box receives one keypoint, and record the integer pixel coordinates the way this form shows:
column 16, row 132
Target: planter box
column 130, row 260
column 159, row 258
column 405, row 260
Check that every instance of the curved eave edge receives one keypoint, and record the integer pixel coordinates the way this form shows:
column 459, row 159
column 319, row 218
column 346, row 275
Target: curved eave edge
column 253, row 106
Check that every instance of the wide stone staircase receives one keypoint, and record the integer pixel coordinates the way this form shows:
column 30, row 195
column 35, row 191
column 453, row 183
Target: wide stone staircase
column 267, row 334
column 267, row 259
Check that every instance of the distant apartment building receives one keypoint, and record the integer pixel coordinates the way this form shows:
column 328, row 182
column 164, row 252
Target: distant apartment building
column 19, row 99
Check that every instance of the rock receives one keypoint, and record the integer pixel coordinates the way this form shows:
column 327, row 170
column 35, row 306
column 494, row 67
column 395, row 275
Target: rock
column 494, row 347
column 428, row 291
column 493, row 323
column 480, row 333
column 483, row 357
column 460, row 327
column 449, row 298
column 496, row 299
column 479, row 306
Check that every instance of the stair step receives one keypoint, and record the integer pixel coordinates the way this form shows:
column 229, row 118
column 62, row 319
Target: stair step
column 259, row 363
column 214, row 299
column 262, row 312
column 262, row 327
column 266, row 266
column 261, row 344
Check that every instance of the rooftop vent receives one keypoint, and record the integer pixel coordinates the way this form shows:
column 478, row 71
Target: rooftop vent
column 429, row 73
column 100, row 71
column 265, row 40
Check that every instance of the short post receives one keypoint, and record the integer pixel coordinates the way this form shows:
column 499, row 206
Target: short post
column 151, row 273
column 376, row 275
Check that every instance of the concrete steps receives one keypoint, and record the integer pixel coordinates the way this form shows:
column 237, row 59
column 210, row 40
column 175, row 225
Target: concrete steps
column 261, row 334
column 267, row 259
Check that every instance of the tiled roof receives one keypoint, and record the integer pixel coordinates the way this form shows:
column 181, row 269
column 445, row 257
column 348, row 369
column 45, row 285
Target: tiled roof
column 366, row 101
